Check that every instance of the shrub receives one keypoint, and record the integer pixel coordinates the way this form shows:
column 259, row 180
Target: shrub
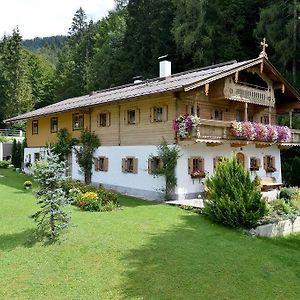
column 285, row 193
column 105, row 201
column 27, row 183
column 4, row 164
column 234, row 199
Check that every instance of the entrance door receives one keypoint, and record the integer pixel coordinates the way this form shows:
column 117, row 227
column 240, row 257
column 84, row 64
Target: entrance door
column 241, row 158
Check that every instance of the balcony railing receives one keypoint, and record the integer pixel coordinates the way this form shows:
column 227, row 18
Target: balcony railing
column 249, row 94
column 218, row 131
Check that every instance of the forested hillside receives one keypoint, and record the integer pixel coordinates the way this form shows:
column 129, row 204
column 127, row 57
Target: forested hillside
column 129, row 40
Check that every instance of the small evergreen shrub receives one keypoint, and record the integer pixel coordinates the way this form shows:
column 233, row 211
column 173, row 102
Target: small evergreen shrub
column 4, row 164
column 233, row 199
column 285, row 193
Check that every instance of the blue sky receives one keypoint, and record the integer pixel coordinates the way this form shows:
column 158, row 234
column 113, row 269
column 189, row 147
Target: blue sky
column 39, row 18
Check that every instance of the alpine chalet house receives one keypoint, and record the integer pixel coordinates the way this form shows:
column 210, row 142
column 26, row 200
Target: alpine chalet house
column 211, row 113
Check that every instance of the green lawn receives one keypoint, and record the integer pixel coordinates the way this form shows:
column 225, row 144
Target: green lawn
column 144, row 251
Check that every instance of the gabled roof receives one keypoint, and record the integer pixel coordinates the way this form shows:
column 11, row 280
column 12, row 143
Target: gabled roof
column 177, row 82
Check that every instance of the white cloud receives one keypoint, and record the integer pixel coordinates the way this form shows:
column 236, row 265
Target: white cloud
column 46, row 18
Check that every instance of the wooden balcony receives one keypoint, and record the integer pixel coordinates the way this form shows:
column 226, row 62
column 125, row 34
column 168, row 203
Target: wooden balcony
column 215, row 132
column 247, row 93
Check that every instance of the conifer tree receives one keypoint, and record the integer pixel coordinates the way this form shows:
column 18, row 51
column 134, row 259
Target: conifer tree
column 51, row 218
column 233, row 199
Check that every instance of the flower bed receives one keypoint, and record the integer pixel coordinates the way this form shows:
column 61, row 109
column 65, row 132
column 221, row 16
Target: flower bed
column 260, row 132
column 184, row 125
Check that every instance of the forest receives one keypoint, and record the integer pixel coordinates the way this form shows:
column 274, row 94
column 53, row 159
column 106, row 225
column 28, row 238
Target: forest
column 128, row 42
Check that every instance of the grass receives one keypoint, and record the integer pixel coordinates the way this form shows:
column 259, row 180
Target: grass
column 144, row 251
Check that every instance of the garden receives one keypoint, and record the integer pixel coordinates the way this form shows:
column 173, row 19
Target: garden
column 138, row 250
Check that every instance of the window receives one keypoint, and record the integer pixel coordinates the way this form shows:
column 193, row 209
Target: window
column 264, row 119
column 190, row 109
column 217, row 115
column 130, row 165
column 269, row 164
column 250, row 118
column 35, row 127
column 101, row 164
column 131, row 117
column 238, row 116
column 196, row 167
column 104, row 119
column 254, row 164
column 53, row 125
column 159, row 113
column 36, row 156
column 78, row 121
column 154, row 163
column 217, row 160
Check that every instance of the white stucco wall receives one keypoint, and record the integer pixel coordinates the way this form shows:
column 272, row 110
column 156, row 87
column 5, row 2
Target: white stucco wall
column 141, row 184
column 147, row 186
column 186, row 185
column 32, row 151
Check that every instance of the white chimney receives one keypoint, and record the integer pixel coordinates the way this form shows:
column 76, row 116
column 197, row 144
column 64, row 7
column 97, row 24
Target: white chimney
column 165, row 66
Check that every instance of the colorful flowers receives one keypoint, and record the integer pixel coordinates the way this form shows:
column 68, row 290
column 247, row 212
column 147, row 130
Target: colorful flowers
column 27, row 184
column 259, row 132
column 185, row 124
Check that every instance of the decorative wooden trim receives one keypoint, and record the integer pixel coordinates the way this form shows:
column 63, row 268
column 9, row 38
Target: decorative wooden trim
column 261, row 146
column 238, row 144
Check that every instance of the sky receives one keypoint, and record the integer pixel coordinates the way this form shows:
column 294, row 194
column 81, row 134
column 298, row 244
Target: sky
column 40, row 18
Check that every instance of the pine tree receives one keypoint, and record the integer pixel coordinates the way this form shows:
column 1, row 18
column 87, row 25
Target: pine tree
column 51, row 218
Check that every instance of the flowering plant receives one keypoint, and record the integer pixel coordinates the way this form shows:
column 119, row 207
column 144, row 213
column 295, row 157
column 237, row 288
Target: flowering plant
column 27, row 183
column 198, row 174
column 270, row 169
column 89, row 201
column 260, row 132
column 185, row 124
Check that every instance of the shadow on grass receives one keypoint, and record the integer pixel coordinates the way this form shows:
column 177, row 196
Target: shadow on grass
column 129, row 201
column 27, row 239
column 202, row 260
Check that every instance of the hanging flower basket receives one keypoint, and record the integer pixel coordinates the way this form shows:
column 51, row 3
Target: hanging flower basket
column 184, row 125
column 252, row 131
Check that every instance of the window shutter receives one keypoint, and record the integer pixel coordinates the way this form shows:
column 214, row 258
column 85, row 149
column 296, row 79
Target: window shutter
column 108, row 119
column 215, row 162
column 202, row 164
column 165, row 113
column 273, row 161
column 152, row 114
column 126, row 117
column 124, row 165
column 265, row 162
column 137, row 116
column 105, row 164
column 96, row 161
column 150, row 164
column 258, row 162
column 135, row 166
column 190, row 166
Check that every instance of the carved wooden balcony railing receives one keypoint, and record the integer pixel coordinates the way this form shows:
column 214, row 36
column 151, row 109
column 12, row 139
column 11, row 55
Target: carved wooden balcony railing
column 249, row 94
column 214, row 131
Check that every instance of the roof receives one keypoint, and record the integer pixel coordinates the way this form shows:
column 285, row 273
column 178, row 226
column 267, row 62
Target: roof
column 177, row 82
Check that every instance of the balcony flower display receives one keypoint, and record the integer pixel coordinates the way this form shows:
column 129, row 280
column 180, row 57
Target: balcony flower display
column 252, row 131
column 185, row 124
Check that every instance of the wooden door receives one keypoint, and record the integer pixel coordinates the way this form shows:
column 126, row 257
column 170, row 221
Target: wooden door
column 241, row 158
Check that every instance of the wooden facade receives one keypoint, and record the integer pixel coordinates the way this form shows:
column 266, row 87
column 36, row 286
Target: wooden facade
column 111, row 124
